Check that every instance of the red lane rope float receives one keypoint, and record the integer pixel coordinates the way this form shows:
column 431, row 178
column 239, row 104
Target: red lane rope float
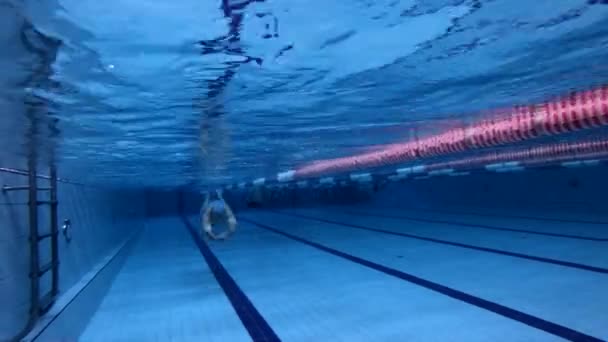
column 565, row 154
column 577, row 111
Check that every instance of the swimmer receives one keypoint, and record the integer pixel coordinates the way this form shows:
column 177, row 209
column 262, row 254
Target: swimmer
column 215, row 211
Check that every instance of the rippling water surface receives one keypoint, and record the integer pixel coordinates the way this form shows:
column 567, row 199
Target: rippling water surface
column 165, row 93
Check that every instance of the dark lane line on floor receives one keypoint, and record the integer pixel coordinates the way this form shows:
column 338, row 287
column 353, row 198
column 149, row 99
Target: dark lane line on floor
column 476, row 225
column 527, row 217
column 256, row 325
column 451, row 243
column 527, row 319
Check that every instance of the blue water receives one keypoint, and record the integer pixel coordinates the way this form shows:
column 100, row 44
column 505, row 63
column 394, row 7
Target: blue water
column 173, row 97
column 199, row 92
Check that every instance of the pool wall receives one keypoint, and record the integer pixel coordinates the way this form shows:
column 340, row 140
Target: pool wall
column 101, row 219
column 559, row 191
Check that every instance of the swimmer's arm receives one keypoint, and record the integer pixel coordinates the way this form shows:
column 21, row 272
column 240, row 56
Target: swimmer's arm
column 229, row 213
column 231, row 218
column 206, row 223
column 231, row 221
column 205, row 212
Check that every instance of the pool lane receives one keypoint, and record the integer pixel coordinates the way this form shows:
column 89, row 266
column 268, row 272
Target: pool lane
column 566, row 230
column 165, row 292
column 587, row 214
column 567, row 297
column 258, row 328
column 309, row 295
column 589, row 256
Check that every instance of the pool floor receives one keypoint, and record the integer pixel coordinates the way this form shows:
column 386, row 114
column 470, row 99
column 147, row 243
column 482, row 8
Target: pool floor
column 360, row 274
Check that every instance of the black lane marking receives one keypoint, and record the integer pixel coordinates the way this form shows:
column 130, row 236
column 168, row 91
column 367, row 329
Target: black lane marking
column 535, row 218
column 256, row 325
column 456, row 244
column 477, row 225
column 533, row 321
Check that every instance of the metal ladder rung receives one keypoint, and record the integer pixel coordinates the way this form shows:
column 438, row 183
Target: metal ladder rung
column 45, row 268
column 46, row 202
column 47, row 235
column 44, row 304
column 7, row 188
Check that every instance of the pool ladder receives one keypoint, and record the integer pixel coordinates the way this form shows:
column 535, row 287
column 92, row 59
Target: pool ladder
column 40, row 304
